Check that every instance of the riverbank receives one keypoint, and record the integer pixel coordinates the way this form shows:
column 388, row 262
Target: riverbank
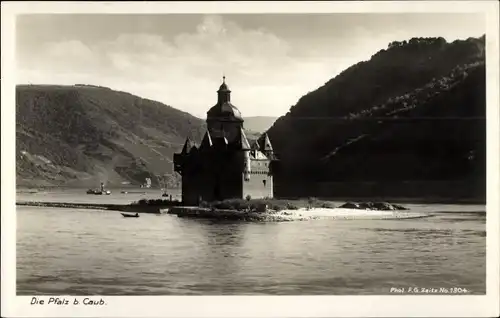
column 97, row 206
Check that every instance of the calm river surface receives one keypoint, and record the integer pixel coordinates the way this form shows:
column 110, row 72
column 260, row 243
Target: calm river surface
column 77, row 252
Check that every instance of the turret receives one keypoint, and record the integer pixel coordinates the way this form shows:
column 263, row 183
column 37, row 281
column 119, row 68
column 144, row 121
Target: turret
column 223, row 94
column 181, row 158
column 223, row 110
column 206, row 143
column 187, row 146
column 265, row 145
column 245, row 145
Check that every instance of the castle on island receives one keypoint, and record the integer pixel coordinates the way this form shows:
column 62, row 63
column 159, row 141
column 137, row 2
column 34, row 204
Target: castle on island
column 225, row 165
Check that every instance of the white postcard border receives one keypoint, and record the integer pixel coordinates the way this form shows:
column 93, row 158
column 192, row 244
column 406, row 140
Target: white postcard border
column 252, row 306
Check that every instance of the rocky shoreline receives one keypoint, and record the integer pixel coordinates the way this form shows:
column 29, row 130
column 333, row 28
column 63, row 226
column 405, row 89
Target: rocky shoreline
column 374, row 206
column 359, row 211
column 347, row 211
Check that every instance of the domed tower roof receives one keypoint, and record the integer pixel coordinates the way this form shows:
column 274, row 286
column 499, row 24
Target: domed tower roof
column 224, row 109
column 223, row 86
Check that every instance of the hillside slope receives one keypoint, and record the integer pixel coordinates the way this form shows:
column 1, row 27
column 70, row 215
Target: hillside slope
column 259, row 124
column 413, row 112
column 82, row 135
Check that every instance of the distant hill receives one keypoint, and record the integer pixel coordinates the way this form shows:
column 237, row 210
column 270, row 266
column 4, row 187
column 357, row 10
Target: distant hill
column 408, row 122
column 259, row 124
column 82, row 135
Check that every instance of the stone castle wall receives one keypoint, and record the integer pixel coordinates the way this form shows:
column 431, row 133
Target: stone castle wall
column 256, row 188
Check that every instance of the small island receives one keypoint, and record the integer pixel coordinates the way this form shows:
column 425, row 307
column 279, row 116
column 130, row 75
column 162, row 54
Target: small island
column 273, row 210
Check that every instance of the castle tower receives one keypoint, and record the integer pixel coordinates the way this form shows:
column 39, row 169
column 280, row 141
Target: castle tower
column 224, row 119
column 265, row 145
column 225, row 165
column 247, row 162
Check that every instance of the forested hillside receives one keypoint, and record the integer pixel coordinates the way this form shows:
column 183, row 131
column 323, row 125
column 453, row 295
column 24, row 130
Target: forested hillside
column 414, row 112
column 82, row 135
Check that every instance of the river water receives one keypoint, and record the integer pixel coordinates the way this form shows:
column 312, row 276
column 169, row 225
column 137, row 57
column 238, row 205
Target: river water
column 82, row 252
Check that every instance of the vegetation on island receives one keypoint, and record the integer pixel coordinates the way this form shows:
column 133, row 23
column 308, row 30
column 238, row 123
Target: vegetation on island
column 263, row 205
column 248, row 204
column 272, row 204
column 157, row 202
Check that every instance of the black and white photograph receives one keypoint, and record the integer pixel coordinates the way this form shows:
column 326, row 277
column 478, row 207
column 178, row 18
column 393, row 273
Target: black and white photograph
column 221, row 152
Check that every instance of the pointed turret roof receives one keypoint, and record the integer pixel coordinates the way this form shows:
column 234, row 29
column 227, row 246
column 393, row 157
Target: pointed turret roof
column 265, row 143
column 207, row 141
column 188, row 145
column 255, row 145
column 244, row 141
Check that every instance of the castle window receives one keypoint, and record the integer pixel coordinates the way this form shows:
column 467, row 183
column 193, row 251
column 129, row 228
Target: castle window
column 264, row 182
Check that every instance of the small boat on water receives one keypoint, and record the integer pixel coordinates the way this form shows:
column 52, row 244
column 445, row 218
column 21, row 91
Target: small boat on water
column 147, row 184
column 100, row 191
column 126, row 215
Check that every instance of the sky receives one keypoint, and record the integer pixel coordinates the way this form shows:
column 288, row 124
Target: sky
column 269, row 60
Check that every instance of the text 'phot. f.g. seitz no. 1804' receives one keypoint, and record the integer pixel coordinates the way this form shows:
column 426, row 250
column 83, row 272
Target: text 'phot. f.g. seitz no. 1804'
column 225, row 165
